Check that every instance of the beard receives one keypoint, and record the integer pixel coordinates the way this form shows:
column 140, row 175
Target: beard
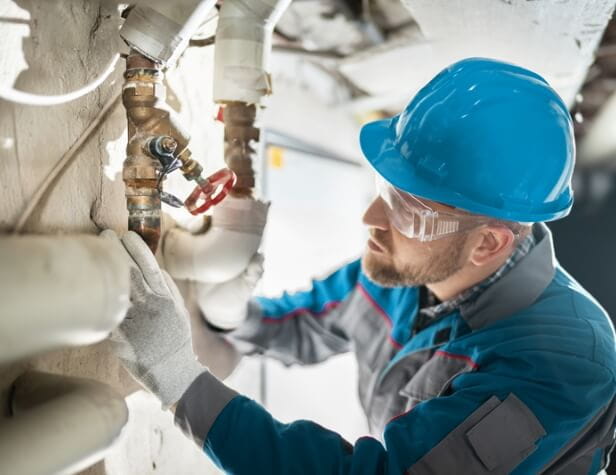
column 437, row 268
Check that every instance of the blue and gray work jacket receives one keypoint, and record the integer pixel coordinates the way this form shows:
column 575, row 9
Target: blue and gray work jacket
column 520, row 380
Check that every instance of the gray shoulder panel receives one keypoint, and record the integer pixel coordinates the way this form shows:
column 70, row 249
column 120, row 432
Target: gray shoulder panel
column 519, row 288
column 200, row 405
column 494, row 439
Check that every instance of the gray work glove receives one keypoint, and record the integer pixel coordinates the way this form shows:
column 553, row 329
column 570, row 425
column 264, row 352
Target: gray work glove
column 225, row 305
column 154, row 341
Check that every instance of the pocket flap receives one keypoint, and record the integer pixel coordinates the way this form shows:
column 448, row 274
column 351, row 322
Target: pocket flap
column 510, row 430
column 494, row 439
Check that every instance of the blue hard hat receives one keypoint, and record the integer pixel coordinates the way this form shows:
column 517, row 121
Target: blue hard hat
column 484, row 136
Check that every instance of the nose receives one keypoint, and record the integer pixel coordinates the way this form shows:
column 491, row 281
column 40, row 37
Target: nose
column 375, row 216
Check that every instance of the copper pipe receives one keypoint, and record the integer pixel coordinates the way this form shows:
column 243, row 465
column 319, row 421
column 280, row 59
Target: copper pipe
column 148, row 116
column 240, row 149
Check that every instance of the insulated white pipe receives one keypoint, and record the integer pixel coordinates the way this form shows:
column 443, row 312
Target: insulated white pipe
column 58, row 291
column 225, row 250
column 161, row 31
column 243, row 47
column 216, row 256
column 59, row 424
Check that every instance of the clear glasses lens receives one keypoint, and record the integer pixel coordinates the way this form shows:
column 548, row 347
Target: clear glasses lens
column 415, row 219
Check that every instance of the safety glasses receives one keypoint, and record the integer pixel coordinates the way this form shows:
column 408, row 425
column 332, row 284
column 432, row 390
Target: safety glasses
column 416, row 220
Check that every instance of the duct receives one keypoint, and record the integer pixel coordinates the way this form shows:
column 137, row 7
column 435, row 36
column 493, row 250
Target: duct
column 38, row 314
column 162, row 31
column 59, row 424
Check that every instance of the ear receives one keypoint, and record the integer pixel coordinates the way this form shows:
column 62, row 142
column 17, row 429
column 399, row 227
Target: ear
column 493, row 243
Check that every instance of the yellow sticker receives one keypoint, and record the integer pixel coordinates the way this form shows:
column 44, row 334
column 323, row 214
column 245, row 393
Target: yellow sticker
column 275, row 156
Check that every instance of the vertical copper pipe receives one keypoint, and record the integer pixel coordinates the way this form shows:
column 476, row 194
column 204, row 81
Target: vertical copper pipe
column 240, row 150
column 143, row 89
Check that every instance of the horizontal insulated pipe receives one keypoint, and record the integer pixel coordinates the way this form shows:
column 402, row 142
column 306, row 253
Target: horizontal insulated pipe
column 58, row 291
column 59, row 424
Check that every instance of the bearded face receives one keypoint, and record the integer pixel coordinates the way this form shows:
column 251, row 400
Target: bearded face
column 392, row 259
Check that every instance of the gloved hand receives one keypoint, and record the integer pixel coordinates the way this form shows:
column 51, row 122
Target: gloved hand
column 224, row 305
column 154, row 341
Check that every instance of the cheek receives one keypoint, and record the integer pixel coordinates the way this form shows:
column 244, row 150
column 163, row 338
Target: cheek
column 407, row 251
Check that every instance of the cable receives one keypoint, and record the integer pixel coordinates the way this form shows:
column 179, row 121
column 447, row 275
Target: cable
column 65, row 160
column 20, row 97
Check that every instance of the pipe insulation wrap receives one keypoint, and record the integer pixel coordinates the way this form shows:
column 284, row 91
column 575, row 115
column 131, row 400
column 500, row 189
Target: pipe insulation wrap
column 59, row 291
column 60, row 424
column 225, row 250
column 243, row 47
column 161, row 32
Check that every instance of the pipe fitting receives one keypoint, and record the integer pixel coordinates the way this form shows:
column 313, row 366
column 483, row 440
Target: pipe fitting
column 240, row 144
column 161, row 32
column 38, row 314
column 67, row 423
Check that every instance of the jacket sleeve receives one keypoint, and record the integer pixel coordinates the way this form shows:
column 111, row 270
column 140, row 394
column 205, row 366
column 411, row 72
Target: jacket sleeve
column 514, row 416
column 302, row 327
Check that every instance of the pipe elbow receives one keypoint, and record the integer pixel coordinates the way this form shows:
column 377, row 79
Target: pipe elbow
column 216, row 256
column 225, row 250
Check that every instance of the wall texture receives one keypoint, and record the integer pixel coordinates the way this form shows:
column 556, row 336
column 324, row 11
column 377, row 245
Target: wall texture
column 52, row 47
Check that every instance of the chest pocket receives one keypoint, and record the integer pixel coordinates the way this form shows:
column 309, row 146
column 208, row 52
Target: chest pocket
column 434, row 378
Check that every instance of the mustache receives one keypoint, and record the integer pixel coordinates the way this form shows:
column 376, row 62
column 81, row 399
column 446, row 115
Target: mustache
column 382, row 238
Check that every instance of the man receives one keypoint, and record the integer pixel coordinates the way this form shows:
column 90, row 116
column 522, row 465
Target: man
column 477, row 353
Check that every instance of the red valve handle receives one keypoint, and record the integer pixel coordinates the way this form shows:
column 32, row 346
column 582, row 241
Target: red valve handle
column 206, row 190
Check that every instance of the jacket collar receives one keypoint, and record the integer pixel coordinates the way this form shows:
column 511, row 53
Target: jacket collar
column 519, row 288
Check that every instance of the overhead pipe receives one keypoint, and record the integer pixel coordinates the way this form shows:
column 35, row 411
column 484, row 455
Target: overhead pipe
column 157, row 144
column 38, row 313
column 59, row 424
